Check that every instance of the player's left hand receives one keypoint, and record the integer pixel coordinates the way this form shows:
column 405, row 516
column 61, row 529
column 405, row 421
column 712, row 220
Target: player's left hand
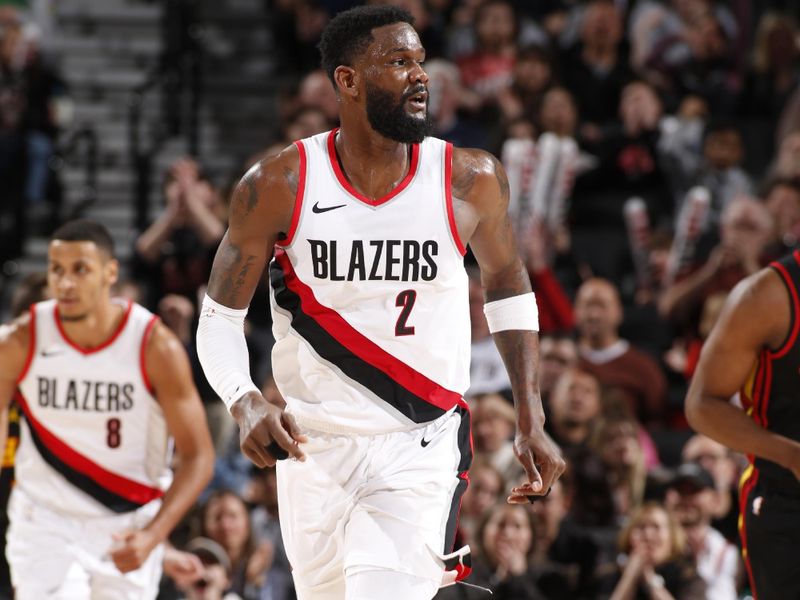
column 541, row 458
column 131, row 548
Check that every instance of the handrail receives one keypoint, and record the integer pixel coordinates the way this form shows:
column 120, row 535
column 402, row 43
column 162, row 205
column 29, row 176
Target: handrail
column 178, row 75
column 84, row 136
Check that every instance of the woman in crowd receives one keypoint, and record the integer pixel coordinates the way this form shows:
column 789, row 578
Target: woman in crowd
column 653, row 564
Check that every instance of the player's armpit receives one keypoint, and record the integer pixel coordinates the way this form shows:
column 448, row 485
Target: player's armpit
column 260, row 215
column 167, row 367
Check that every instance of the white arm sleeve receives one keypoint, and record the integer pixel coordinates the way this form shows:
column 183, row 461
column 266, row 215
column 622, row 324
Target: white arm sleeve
column 222, row 351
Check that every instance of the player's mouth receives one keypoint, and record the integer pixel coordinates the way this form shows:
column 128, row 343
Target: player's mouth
column 419, row 101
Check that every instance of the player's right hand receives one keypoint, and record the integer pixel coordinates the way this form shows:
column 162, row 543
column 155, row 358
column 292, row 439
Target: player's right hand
column 260, row 424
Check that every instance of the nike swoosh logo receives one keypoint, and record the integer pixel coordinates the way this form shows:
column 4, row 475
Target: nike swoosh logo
column 425, row 442
column 46, row 353
column 317, row 209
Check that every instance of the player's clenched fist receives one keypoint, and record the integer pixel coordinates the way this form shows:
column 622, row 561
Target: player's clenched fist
column 266, row 432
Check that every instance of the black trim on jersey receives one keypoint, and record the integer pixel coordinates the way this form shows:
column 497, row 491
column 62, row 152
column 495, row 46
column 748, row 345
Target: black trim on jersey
column 465, row 448
column 83, row 482
column 329, row 348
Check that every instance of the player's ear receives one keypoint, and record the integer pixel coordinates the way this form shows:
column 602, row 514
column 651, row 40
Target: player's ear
column 111, row 269
column 346, row 81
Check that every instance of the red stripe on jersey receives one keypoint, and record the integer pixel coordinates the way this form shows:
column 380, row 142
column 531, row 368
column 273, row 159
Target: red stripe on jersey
column 121, row 486
column 102, row 346
column 448, row 197
column 142, row 351
column 337, row 169
column 366, row 350
column 787, row 345
column 31, row 344
column 298, row 197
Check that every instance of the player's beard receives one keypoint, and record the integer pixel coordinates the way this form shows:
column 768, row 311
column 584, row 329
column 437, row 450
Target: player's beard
column 388, row 116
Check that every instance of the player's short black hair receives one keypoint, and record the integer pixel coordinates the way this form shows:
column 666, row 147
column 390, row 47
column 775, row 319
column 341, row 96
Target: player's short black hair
column 350, row 32
column 84, row 230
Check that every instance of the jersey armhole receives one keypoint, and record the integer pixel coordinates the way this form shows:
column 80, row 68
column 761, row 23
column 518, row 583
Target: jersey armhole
column 142, row 352
column 31, row 344
column 794, row 324
column 298, row 197
column 448, row 198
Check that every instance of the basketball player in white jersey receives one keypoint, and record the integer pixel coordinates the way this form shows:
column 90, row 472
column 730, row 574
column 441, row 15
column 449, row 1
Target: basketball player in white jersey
column 366, row 228
column 103, row 385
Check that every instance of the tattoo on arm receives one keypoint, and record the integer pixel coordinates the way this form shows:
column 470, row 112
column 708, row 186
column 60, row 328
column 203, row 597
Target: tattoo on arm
column 291, row 179
column 230, row 274
column 463, row 179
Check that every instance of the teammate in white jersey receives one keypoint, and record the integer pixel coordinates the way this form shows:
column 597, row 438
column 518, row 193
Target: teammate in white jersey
column 366, row 227
column 103, row 386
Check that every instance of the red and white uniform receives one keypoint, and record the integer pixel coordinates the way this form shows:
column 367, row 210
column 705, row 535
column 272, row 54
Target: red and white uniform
column 370, row 298
column 371, row 319
column 94, row 452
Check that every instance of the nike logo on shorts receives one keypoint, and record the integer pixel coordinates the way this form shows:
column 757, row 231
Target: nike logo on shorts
column 318, row 209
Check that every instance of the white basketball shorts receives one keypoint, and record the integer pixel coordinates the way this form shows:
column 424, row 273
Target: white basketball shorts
column 372, row 503
column 54, row 556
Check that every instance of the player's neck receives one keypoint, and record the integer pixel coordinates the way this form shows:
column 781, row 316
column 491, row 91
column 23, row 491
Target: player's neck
column 373, row 164
column 97, row 327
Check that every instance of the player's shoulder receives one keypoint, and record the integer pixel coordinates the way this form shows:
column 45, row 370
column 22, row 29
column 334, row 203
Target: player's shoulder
column 474, row 160
column 758, row 291
column 478, row 173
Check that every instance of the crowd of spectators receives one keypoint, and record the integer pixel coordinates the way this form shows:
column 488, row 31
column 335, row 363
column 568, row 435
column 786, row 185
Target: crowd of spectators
column 653, row 150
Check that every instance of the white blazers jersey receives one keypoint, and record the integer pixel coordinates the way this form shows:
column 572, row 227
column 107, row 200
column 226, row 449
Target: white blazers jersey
column 94, row 440
column 370, row 297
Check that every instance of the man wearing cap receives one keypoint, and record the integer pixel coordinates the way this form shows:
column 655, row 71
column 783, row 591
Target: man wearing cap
column 691, row 496
column 217, row 572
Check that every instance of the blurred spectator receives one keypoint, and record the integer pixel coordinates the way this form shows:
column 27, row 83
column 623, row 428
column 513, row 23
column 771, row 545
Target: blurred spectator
column 782, row 199
column 786, row 164
column 616, row 441
column 596, row 69
column 447, row 98
column 775, row 68
column 488, row 70
column 717, row 460
column 718, row 169
column 558, row 112
column 263, row 494
column 575, row 405
column 317, row 91
column 225, row 520
column 176, row 251
column 623, row 163
column 486, row 486
column 556, row 355
column 563, row 551
column 615, row 363
column 697, row 58
column 486, row 370
column 296, row 28
column 533, row 73
column 28, row 91
column 654, row 563
column 493, row 426
column 691, row 497
column 216, row 577
column 555, row 308
column 503, row 562
column 745, row 230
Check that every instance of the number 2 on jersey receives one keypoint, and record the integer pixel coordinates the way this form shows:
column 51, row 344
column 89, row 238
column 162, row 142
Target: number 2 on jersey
column 405, row 299
column 113, row 436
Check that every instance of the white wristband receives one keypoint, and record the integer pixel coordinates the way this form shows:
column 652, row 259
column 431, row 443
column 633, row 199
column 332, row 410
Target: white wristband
column 222, row 350
column 516, row 312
